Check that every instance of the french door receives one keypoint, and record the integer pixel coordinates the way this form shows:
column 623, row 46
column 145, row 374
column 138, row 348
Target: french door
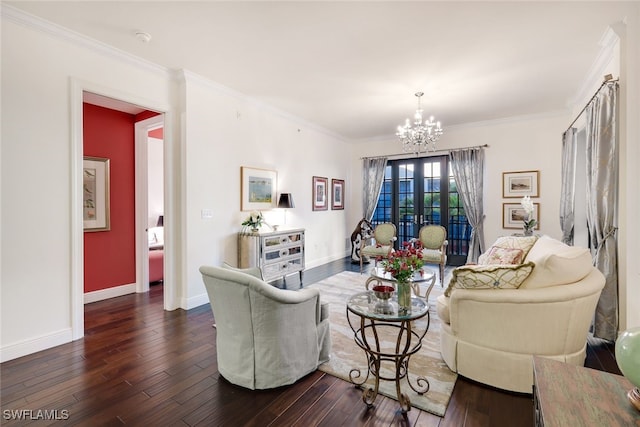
column 422, row 191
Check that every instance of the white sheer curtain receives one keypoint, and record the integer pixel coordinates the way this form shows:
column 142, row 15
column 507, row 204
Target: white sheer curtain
column 372, row 178
column 568, row 185
column 602, row 203
column 468, row 169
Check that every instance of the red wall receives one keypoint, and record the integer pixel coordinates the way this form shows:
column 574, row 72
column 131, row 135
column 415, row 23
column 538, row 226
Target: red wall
column 146, row 114
column 109, row 256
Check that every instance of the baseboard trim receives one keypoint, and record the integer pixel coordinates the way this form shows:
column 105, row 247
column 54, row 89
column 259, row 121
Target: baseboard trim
column 107, row 293
column 196, row 301
column 34, row 345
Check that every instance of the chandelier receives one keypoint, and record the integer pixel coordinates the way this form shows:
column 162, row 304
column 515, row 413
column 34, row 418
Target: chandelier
column 422, row 136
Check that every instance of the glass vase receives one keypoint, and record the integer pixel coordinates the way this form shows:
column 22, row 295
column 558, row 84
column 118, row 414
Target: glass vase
column 403, row 291
column 528, row 232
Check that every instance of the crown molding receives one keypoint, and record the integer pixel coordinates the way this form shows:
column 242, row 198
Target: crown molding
column 20, row 17
column 596, row 72
column 483, row 123
column 191, row 77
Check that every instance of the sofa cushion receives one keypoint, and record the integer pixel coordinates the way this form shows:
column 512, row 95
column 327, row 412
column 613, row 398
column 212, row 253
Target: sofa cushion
column 502, row 256
column 556, row 263
column 489, row 277
column 523, row 243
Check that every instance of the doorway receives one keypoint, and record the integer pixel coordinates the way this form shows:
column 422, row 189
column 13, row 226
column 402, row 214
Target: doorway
column 79, row 89
column 149, row 161
column 422, row 191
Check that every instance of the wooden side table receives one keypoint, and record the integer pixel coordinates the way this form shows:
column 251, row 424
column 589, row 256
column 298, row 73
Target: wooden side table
column 568, row 395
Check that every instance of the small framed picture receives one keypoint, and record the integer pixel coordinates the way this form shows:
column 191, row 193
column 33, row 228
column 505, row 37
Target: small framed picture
column 320, row 193
column 337, row 194
column 513, row 215
column 257, row 189
column 519, row 184
column 95, row 194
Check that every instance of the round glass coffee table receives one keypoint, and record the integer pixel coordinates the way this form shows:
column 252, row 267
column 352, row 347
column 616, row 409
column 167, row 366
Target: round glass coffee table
column 428, row 277
column 371, row 321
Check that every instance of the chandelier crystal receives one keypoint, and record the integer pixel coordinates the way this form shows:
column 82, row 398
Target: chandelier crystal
column 422, row 136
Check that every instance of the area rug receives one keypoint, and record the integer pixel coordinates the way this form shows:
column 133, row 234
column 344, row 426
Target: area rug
column 346, row 355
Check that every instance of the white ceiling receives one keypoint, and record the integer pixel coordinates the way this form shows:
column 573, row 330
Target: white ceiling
column 353, row 67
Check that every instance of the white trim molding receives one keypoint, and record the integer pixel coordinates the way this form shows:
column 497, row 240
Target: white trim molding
column 116, row 291
column 34, row 345
column 30, row 21
column 191, row 77
column 595, row 75
column 195, row 301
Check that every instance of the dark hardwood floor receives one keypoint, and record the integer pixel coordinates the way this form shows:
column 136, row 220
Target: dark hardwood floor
column 141, row 365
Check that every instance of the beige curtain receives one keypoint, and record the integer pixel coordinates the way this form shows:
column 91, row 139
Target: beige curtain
column 602, row 203
column 568, row 185
column 467, row 166
column 372, row 178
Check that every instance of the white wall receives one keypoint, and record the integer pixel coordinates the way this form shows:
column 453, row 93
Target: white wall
column 224, row 131
column 37, row 272
column 155, row 181
column 629, row 232
column 219, row 131
column 519, row 144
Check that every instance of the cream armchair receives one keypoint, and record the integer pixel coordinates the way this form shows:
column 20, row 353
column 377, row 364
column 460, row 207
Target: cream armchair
column 383, row 235
column 434, row 243
column 266, row 337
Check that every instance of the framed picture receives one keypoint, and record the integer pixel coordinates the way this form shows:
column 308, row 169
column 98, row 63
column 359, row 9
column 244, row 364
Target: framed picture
column 337, row 194
column 513, row 215
column 95, row 194
column 257, row 189
column 320, row 193
column 519, row 184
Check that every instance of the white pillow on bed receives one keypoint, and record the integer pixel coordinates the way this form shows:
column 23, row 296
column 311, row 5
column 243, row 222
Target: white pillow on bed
column 156, row 237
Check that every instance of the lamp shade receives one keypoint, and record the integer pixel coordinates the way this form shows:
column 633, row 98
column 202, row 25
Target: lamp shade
column 285, row 201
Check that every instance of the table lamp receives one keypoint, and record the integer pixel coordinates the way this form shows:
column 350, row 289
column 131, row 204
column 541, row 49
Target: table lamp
column 285, row 202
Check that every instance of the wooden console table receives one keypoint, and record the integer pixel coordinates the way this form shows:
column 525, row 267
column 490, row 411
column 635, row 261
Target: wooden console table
column 568, row 395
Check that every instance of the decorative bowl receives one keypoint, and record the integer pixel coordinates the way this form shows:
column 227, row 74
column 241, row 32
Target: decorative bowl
column 383, row 292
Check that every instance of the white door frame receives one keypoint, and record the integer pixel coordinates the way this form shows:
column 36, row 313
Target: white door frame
column 77, row 87
column 142, row 129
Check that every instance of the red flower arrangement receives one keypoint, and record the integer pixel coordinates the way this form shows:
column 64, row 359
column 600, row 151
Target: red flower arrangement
column 405, row 262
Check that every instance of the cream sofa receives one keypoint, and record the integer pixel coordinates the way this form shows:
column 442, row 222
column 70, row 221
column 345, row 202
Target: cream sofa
column 491, row 335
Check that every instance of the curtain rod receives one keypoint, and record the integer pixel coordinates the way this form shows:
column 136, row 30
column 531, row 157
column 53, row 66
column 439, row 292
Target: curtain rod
column 408, row 155
column 607, row 79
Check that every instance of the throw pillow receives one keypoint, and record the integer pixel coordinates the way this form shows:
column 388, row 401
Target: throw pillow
column 489, row 277
column 498, row 255
column 557, row 263
column 524, row 243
